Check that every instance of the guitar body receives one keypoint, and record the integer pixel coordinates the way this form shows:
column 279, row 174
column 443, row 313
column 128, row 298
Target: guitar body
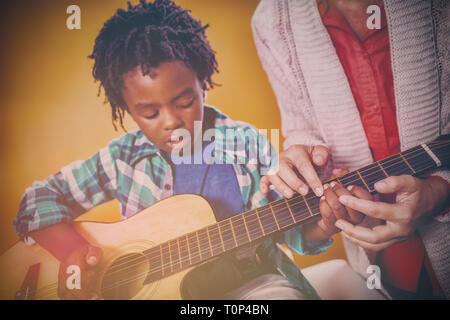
column 167, row 219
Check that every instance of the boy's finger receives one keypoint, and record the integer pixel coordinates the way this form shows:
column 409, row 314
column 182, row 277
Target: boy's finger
column 333, row 201
column 326, row 212
column 360, row 192
column 354, row 215
column 93, row 255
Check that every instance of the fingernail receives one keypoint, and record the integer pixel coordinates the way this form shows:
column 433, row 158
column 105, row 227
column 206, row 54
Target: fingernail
column 303, row 191
column 318, row 191
column 350, row 188
column 339, row 225
column 380, row 184
column 325, row 186
column 333, row 184
column 92, row 259
column 288, row 193
column 343, row 199
column 319, row 159
column 322, row 198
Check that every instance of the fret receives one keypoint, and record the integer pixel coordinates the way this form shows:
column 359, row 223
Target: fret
column 299, row 208
column 352, row 179
column 395, row 166
column 170, row 258
column 180, row 257
column 371, row 174
column 307, row 205
column 209, row 240
column 227, row 234
column 166, row 265
column 199, row 247
column 240, row 229
column 290, row 211
column 382, row 169
column 260, row 223
column 274, row 217
column 267, row 220
column 362, row 179
column 174, row 258
column 254, row 226
column 205, row 247
column 246, row 228
column 216, row 239
column 193, row 246
column 283, row 213
column 314, row 203
column 407, row 163
column 184, row 247
column 232, row 231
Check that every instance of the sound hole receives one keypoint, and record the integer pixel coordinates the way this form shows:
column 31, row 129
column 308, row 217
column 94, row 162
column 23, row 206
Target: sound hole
column 125, row 276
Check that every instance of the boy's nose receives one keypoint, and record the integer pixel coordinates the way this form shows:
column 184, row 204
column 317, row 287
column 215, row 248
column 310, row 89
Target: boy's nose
column 172, row 121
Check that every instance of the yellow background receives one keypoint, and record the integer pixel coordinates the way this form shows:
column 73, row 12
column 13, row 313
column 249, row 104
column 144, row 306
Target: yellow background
column 51, row 114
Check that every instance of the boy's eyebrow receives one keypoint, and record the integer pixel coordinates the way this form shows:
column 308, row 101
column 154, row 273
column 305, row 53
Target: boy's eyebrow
column 185, row 91
column 150, row 105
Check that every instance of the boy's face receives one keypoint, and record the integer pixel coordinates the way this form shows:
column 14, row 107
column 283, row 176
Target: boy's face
column 170, row 98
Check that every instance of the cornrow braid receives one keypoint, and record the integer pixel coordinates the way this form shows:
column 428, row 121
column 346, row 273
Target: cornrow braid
column 146, row 35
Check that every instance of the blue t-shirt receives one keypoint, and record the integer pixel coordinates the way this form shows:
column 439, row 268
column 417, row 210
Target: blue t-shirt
column 217, row 183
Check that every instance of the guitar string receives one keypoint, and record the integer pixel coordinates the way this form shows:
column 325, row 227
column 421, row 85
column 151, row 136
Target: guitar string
column 179, row 261
column 273, row 204
column 139, row 276
column 265, row 212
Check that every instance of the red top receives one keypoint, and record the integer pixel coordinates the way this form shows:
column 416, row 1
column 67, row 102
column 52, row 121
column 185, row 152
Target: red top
column 367, row 65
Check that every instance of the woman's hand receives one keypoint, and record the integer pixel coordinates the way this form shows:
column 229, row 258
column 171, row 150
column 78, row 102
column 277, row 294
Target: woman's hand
column 86, row 258
column 414, row 198
column 300, row 158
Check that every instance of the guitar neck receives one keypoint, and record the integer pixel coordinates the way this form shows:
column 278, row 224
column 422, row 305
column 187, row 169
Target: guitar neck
column 283, row 214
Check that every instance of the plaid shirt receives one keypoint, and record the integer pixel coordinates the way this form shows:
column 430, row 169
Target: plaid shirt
column 132, row 170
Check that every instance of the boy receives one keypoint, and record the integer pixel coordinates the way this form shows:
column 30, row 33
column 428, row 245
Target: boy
column 154, row 63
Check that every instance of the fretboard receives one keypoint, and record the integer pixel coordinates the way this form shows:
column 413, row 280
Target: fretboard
column 280, row 215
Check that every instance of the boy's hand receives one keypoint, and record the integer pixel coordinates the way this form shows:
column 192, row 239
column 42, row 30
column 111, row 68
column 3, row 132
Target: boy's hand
column 332, row 210
column 87, row 258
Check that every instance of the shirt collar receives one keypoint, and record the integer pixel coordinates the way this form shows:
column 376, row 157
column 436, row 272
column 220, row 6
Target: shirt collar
column 331, row 17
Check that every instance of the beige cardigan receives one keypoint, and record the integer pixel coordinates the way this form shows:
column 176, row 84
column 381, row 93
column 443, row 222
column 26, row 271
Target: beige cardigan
column 318, row 108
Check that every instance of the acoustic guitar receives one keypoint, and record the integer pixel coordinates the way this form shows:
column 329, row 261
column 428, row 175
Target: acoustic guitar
column 148, row 255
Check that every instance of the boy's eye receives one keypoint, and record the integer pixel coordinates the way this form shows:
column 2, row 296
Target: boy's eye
column 151, row 116
column 188, row 105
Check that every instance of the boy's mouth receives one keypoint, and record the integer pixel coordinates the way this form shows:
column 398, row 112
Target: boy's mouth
column 175, row 142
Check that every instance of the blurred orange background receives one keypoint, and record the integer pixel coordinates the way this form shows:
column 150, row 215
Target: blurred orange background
column 51, row 114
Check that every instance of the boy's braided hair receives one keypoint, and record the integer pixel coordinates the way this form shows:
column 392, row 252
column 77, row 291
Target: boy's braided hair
column 146, row 35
